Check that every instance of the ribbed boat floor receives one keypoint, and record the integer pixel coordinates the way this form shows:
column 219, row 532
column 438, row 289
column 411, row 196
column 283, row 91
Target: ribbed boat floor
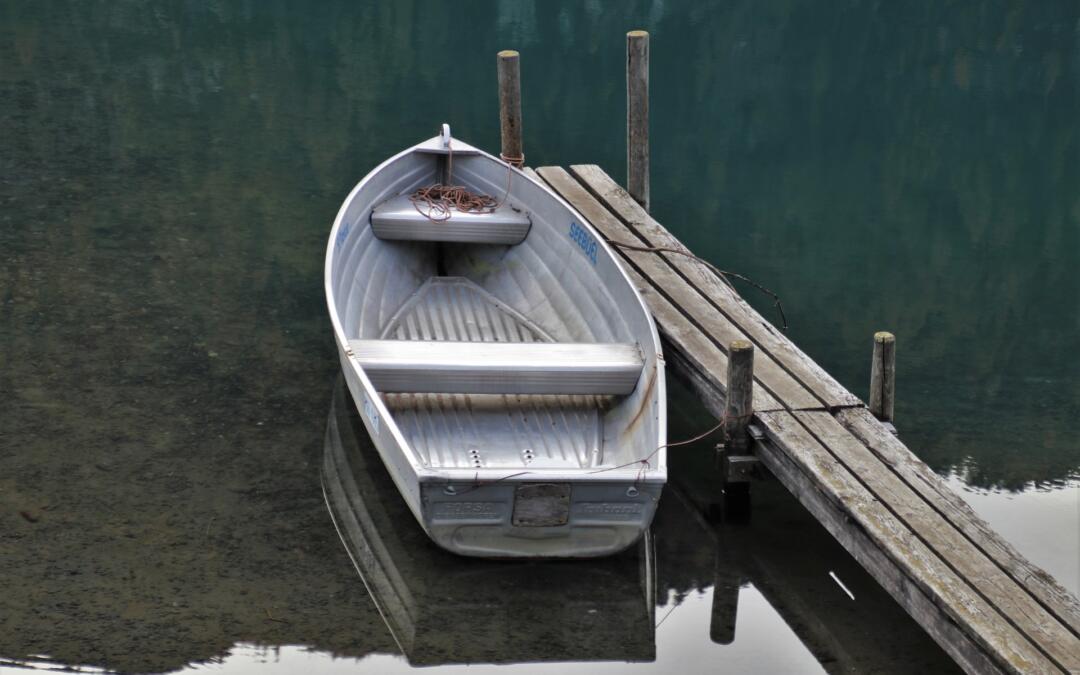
column 487, row 431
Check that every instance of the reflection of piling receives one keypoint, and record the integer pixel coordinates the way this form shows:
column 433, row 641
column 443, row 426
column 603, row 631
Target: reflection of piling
column 883, row 377
column 637, row 116
column 725, row 603
column 510, row 107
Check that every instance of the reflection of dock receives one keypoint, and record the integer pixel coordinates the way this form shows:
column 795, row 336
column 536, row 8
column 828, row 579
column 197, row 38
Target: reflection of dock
column 805, row 576
column 443, row 608
column 987, row 606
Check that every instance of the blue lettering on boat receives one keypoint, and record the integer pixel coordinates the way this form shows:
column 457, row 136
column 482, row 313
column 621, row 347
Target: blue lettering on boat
column 585, row 241
column 342, row 233
column 373, row 416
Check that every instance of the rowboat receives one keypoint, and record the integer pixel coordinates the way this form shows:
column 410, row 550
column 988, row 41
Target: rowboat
column 506, row 368
column 529, row 612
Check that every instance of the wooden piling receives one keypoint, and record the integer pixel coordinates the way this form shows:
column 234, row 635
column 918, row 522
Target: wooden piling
column 637, row 116
column 883, row 376
column 510, row 107
column 740, row 397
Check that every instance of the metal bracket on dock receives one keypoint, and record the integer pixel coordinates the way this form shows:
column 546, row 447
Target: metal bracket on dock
column 740, row 468
column 756, row 432
column 743, row 468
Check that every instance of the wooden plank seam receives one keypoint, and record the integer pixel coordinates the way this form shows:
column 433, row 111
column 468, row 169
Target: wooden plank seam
column 595, row 212
column 926, row 597
column 636, row 221
column 1045, row 590
column 1048, row 646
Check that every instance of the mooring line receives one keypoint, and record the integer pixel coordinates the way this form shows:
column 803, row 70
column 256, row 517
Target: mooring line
column 722, row 273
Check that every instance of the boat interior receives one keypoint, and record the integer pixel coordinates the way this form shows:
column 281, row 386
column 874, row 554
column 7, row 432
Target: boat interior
column 495, row 340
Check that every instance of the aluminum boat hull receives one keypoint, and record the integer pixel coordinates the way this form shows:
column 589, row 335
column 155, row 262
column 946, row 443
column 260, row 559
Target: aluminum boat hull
column 513, row 475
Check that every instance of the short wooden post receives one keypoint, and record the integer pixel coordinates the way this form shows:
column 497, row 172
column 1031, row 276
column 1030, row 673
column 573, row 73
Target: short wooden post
column 740, row 398
column 510, row 107
column 637, row 116
column 883, row 376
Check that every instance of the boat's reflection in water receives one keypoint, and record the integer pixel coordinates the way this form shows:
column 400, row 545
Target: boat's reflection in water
column 778, row 565
column 442, row 608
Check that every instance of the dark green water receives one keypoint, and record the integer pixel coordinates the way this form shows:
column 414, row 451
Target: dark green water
column 168, row 175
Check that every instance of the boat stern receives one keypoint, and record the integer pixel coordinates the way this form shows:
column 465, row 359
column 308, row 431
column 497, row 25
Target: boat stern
column 538, row 519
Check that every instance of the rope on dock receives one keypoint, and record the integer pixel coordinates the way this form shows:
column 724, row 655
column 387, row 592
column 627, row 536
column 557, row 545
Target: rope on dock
column 724, row 274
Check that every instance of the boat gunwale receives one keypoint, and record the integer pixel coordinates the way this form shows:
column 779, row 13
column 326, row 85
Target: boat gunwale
column 655, row 470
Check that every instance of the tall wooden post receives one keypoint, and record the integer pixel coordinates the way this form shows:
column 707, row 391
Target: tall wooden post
column 637, row 116
column 740, row 398
column 510, row 107
column 883, row 376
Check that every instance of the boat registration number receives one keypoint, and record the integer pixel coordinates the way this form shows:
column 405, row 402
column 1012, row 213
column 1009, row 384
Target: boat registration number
column 585, row 241
column 541, row 505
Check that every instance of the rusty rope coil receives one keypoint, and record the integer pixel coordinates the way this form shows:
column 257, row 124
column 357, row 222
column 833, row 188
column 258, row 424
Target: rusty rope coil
column 438, row 202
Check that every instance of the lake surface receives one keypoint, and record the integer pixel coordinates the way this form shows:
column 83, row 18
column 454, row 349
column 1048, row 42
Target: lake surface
column 168, row 176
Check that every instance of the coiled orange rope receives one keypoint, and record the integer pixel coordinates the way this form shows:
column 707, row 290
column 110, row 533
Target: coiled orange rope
column 438, row 202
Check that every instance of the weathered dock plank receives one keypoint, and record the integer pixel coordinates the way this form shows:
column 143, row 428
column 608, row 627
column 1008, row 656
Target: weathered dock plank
column 691, row 350
column 694, row 306
column 1008, row 597
column 935, row 595
column 645, row 230
column 888, row 448
column 988, row 607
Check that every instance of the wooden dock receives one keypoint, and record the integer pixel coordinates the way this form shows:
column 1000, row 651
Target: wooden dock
column 989, row 608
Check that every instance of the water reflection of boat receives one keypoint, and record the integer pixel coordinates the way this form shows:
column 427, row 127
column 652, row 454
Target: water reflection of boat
column 442, row 608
